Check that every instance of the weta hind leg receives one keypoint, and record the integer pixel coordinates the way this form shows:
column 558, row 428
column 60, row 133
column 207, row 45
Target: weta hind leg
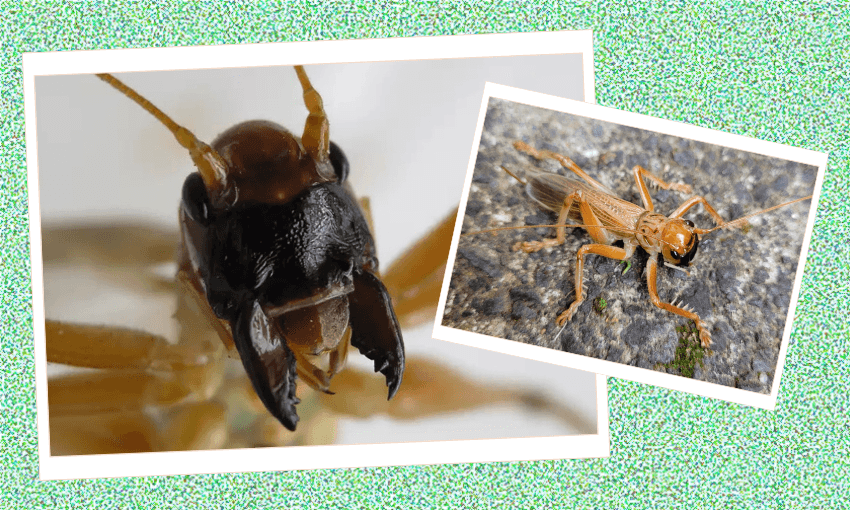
column 603, row 238
column 561, row 234
column 611, row 252
column 566, row 162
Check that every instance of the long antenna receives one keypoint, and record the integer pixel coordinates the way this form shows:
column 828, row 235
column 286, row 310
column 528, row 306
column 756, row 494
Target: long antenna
column 745, row 218
column 211, row 166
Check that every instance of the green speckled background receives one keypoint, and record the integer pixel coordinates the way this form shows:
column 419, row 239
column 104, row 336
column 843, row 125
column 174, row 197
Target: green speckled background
column 778, row 72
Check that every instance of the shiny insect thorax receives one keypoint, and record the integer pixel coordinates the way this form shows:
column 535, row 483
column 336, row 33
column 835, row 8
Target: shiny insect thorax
column 740, row 281
column 275, row 246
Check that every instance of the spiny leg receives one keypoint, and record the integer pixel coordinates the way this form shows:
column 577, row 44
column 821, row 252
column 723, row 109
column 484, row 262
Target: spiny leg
column 602, row 236
column 642, row 173
column 564, row 161
column 652, row 284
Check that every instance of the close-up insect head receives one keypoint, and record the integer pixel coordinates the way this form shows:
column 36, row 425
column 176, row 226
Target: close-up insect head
column 276, row 276
column 645, row 278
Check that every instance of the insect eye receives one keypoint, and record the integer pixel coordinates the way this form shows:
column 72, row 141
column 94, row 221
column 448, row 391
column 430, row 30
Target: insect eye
column 339, row 162
column 689, row 223
column 196, row 200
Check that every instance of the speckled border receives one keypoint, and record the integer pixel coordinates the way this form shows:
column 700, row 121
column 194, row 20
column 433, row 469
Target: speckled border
column 771, row 70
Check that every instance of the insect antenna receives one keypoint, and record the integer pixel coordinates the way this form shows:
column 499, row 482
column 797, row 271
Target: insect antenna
column 316, row 137
column 210, row 164
column 742, row 219
column 514, row 176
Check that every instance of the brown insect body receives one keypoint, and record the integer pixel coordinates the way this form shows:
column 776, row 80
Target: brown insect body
column 278, row 252
column 654, row 232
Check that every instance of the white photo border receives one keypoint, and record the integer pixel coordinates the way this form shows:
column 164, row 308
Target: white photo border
column 303, row 457
column 610, row 368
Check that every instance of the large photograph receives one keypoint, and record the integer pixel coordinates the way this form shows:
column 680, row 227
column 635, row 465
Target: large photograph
column 127, row 283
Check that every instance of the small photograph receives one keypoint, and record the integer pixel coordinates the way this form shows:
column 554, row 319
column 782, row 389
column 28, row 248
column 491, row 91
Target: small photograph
column 271, row 283
column 631, row 246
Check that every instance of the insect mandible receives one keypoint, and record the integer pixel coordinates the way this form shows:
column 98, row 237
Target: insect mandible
column 276, row 247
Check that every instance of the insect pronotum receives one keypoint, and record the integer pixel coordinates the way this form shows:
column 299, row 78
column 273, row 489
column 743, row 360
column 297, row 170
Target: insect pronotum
column 739, row 284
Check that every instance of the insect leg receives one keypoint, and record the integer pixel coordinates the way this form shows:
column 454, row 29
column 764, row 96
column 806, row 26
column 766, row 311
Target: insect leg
column 103, row 411
column 612, row 252
column 102, row 347
column 415, row 279
column 599, row 235
column 93, row 434
column 534, row 246
column 640, row 173
column 652, row 281
column 689, row 203
column 425, row 379
column 564, row 161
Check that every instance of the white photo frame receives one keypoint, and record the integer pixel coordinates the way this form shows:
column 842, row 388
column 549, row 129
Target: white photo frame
column 552, row 123
column 203, row 104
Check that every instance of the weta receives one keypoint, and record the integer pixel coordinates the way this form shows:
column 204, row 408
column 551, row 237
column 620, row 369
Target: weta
column 608, row 219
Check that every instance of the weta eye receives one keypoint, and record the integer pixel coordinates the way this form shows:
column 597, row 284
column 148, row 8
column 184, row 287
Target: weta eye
column 339, row 162
column 689, row 223
column 196, row 199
